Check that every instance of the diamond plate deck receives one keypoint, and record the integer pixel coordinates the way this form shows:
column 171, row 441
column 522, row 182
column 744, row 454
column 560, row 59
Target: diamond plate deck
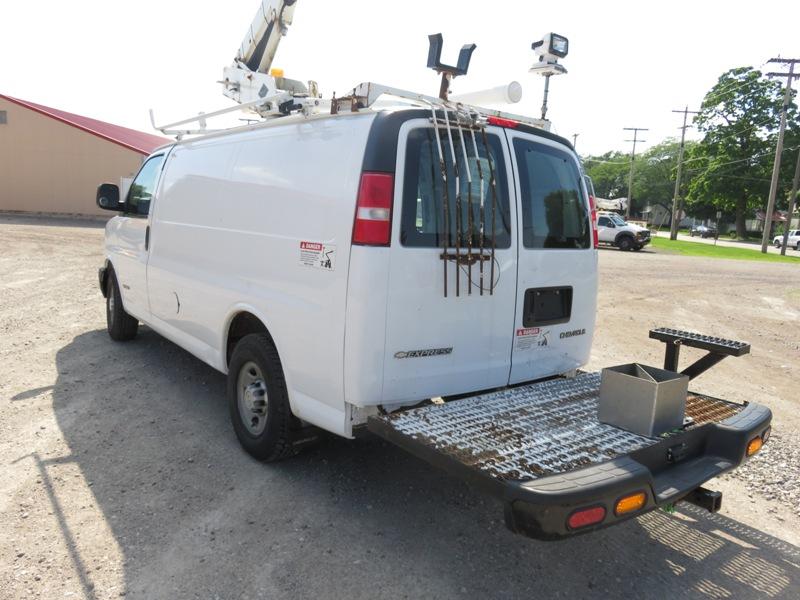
column 531, row 431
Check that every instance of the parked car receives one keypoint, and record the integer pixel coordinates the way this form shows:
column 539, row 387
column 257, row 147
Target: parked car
column 613, row 230
column 792, row 242
column 703, row 231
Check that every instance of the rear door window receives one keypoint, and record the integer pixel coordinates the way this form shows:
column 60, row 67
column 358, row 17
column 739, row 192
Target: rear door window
column 423, row 215
column 554, row 210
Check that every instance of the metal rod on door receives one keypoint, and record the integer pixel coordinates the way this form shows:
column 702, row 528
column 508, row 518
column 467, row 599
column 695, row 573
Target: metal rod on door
column 461, row 134
column 445, row 207
column 481, row 207
column 458, row 201
column 493, row 187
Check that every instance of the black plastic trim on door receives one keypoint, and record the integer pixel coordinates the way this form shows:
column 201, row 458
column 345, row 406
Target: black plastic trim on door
column 547, row 306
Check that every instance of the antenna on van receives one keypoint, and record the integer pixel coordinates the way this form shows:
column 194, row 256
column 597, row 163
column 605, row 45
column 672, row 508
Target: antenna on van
column 447, row 72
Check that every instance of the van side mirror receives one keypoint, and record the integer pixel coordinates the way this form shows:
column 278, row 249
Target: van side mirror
column 108, row 197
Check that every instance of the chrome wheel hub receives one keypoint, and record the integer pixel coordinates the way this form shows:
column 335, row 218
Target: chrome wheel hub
column 111, row 301
column 252, row 398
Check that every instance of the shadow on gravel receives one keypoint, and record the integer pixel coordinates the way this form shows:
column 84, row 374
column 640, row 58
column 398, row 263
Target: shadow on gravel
column 52, row 220
column 194, row 516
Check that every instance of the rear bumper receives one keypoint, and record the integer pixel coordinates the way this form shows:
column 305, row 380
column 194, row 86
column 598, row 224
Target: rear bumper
column 666, row 472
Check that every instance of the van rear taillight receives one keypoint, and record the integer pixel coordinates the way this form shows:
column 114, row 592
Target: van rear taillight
column 593, row 213
column 373, row 222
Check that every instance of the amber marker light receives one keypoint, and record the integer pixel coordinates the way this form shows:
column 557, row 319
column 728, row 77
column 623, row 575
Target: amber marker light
column 630, row 503
column 754, row 445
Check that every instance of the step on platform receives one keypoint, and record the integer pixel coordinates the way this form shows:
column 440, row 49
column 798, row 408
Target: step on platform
column 527, row 432
column 713, row 344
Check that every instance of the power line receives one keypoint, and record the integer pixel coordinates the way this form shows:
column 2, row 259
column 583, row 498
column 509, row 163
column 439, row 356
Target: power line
column 733, row 162
column 607, row 162
column 734, row 84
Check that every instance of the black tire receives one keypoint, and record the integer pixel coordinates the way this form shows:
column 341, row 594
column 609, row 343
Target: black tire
column 797, row 247
column 777, row 243
column 274, row 441
column 637, row 248
column 121, row 326
column 625, row 243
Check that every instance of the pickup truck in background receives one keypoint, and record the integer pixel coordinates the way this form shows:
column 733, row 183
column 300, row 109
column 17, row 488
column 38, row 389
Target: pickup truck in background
column 613, row 230
column 792, row 242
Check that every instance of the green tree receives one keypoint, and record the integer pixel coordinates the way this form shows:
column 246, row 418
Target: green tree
column 609, row 173
column 731, row 166
column 653, row 175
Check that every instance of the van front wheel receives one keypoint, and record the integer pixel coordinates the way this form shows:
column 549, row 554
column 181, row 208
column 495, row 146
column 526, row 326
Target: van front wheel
column 258, row 400
column 121, row 326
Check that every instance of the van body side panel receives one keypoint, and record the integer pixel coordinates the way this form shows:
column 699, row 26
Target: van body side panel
column 249, row 219
column 366, row 322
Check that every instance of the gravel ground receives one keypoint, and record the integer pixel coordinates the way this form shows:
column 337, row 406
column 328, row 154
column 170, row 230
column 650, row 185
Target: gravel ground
column 121, row 475
column 774, row 471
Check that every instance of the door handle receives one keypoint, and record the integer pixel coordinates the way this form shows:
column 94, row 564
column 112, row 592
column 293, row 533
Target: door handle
column 147, row 238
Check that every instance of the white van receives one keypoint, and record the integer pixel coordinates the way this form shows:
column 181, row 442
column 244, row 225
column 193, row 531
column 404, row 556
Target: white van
column 341, row 268
column 321, row 238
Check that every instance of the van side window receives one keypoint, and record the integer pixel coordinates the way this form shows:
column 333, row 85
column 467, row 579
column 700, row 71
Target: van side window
column 422, row 220
column 554, row 212
column 143, row 187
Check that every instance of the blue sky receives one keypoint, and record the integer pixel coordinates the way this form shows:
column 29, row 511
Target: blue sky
column 630, row 63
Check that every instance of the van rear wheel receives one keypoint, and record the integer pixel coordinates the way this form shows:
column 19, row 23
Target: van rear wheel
column 258, row 400
column 121, row 326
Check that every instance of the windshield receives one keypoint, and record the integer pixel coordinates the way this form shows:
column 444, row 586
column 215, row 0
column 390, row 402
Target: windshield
column 619, row 221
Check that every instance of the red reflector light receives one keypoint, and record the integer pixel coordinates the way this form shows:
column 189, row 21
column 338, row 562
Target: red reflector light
column 501, row 122
column 586, row 516
column 593, row 211
column 373, row 221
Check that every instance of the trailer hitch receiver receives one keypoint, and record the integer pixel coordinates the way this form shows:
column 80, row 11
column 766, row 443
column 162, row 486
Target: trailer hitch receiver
column 705, row 498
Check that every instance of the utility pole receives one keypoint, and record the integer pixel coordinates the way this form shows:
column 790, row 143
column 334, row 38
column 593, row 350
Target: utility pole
column 635, row 139
column 575, row 140
column 792, row 196
column 676, row 205
column 776, row 167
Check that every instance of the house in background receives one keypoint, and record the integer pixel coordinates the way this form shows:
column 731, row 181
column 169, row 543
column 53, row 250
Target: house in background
column 52, row 161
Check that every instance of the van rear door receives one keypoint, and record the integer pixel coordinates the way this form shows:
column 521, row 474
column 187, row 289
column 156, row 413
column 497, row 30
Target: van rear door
column 556, row 297
column 439, row 344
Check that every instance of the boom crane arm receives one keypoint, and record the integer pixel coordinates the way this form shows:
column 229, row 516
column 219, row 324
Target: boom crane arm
column 249, row 79
column 261, row 42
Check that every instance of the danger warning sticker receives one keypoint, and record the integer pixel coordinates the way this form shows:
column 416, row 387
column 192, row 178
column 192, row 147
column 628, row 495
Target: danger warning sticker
column 530, row 337
column 319, row 256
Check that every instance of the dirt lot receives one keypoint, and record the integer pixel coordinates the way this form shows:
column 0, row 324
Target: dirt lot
column 121, row 476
